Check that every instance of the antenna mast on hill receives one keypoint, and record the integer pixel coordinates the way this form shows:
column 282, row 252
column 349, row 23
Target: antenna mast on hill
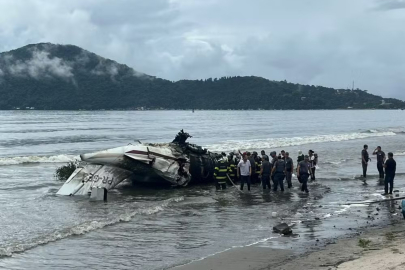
column 353, row 86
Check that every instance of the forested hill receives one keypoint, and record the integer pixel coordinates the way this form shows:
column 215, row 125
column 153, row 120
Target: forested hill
column 65, row 77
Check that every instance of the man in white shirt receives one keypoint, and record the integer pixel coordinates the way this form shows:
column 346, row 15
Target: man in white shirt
column 244, row 171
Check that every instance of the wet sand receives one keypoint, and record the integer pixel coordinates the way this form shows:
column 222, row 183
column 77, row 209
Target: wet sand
column 384, row 251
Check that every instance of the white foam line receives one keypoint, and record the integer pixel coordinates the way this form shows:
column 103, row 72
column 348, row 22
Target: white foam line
column 231, row 145
column 233, row 247
column 37, row 159
column 84, row 228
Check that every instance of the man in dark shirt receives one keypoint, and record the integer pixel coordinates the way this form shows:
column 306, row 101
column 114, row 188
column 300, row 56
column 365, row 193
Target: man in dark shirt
column 390, row 168
column 303, row 173
column 380, row 161
column 253, row 166
column 273, row 160
column 278, row 173
column 265, row 172
column 364, row 160
column 289, row 167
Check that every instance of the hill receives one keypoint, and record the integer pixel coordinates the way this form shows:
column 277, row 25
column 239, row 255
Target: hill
column 65, row 77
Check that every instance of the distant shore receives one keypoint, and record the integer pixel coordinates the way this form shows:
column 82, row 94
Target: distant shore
column 208, row 110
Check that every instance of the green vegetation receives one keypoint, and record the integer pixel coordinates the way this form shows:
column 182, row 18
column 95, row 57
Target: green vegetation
column 364, row 243
column 66, row 77
column 63, row 172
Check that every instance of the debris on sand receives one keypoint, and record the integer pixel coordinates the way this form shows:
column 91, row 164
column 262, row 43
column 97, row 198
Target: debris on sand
column 282, row 228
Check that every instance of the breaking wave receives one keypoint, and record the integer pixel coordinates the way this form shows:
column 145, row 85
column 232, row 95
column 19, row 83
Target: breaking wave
column 37, row 159
column 84, row 228
column 294, row 141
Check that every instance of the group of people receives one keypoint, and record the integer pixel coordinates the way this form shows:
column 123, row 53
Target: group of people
column 384, row 166
column 252, row 168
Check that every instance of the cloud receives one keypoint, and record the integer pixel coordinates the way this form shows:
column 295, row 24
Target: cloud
column 390, row 4
column 104, row 68
column 330, row 43
column 40, row 65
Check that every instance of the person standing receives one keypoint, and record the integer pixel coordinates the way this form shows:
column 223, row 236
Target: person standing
column 312, row 160
column 253, row 166
column 282, row 154
column 244, row 171
column 232, row 167
column 289, row 167
column 258, row 165
column 265, row 172
column 279, row 173
column 299, row 158
column 303, row 173
column 266, row 157
column 273, row 160
column 390, row 169
column 221, row 169
column 380, row 161
column 365, row 158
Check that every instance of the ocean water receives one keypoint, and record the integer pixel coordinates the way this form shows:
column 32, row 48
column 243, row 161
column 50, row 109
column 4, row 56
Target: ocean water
column 141, row 228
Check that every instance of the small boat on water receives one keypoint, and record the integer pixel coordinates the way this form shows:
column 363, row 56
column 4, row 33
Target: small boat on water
column 168, row 164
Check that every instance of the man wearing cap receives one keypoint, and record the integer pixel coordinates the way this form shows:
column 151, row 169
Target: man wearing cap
column 220, row 171
column 265, row 172
column 380, row 161
column 279, row 173
column 244, row 171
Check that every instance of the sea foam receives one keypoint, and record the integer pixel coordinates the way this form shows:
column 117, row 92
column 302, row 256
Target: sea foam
column 80, row 229
column 231, row 145
column 37, row 159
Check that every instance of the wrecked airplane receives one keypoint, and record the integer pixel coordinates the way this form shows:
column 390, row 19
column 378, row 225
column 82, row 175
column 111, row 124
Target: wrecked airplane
column 170, row 164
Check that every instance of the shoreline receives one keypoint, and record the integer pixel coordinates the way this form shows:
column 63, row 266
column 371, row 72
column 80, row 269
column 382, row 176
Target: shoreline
column 205, row 110
column 374, row 248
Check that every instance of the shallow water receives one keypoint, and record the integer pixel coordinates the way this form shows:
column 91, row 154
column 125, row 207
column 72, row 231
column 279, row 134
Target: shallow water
column 141, row 228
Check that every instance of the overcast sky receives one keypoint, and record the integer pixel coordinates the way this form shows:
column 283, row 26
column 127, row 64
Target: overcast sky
column 320, row 42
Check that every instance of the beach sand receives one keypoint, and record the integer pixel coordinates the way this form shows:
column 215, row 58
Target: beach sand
column 383, row 248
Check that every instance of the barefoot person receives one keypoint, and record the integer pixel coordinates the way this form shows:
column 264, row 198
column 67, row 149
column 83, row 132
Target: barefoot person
column 390, row 169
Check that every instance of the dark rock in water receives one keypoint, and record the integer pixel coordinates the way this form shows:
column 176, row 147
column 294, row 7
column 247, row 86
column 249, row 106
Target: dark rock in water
column 396, row 190
column 399, row 207
column 317, row 218
column 282, row 228
column 378, row 209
